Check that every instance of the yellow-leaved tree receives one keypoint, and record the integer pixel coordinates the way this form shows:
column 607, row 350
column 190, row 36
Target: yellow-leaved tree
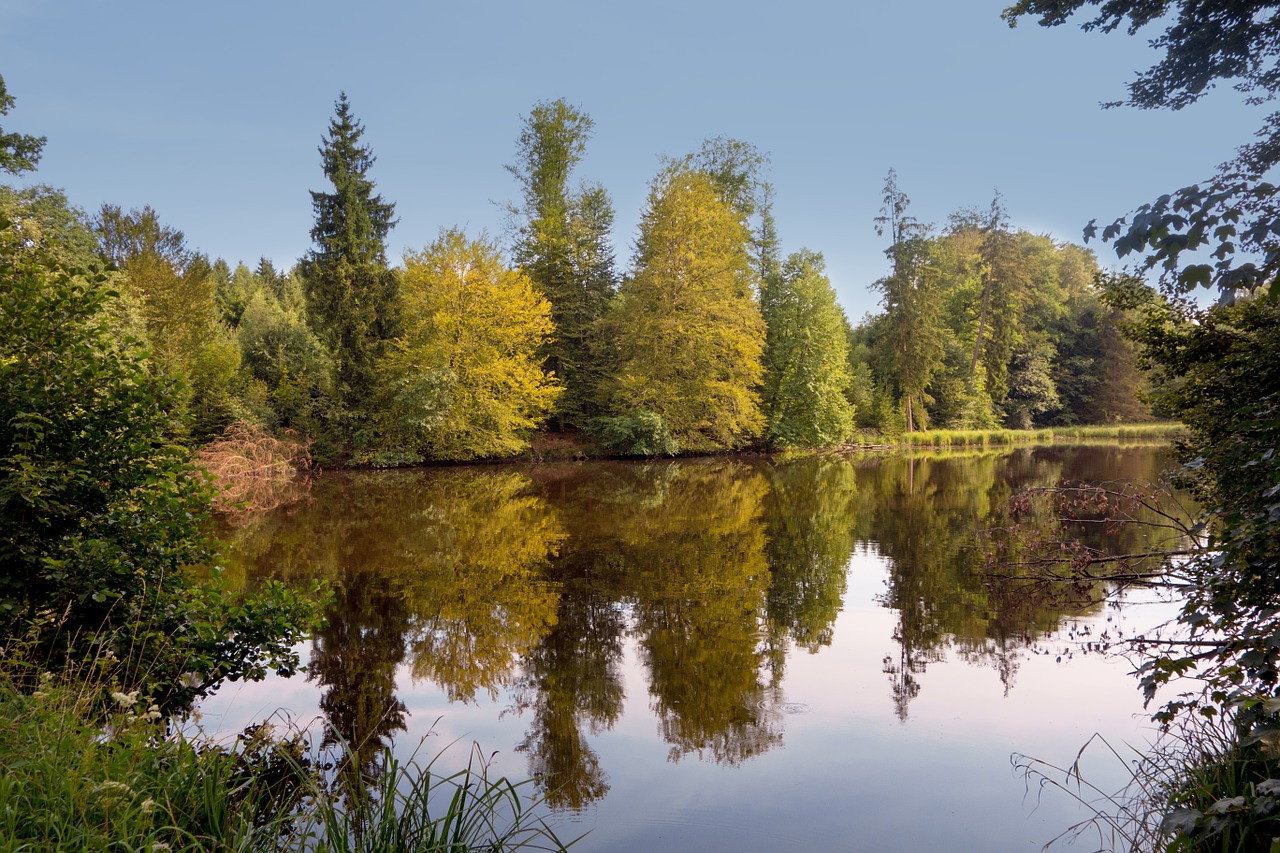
column 686, row 325
column 465, row 379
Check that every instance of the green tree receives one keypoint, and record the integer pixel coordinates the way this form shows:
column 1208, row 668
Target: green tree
column 353, row 299
column 686, row 326
column 1216, row 371
column 562, row 243
column 806, row 357
column 101, row 515
column 18, row 152
column 465, row 381
column 912, row 333
column 44, row 215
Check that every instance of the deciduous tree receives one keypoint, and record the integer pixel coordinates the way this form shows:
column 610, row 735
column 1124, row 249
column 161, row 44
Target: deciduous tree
column 806, row 357
column 687, row 327
column 466, row 380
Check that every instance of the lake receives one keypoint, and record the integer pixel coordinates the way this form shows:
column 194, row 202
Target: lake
column 746, row 653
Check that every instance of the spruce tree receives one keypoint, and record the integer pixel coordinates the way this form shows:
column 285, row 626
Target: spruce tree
column 352, row 297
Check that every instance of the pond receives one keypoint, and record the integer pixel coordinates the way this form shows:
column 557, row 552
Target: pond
column 746, row 653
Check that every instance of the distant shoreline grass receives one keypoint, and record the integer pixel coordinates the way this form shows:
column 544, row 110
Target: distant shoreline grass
column 980, row 438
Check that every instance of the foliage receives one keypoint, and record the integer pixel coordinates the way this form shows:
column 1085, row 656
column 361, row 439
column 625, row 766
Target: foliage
column 353, row 299
column 562, row 243
column 912, row 331
column 806, row 357
column 101, row 514
column 18, row 152
column 686, row 326
column 465, row 381
column 43, row 215
column 1232, row 216
column 1215, row 370
column 641, row 434
column 72, row 783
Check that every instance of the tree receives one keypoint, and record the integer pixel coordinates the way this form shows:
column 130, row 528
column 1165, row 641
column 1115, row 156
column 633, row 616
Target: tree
column 353, row 298
column 101, row 514
column 465, row 381
column 687, row 329
column 806, row 357
column 1216, row 371
column 562, row 243
column 913, row 333
column 18, row 152
column 1232, row 216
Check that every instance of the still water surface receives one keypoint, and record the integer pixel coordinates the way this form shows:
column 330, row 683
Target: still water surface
column 723, row 654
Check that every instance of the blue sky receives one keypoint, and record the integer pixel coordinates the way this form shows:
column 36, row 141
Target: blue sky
column 212, row 113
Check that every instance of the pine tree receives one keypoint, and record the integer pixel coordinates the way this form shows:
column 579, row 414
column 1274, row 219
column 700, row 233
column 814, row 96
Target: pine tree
column 353, row 299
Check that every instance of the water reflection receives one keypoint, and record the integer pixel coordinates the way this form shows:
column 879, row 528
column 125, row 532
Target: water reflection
column 529, row 584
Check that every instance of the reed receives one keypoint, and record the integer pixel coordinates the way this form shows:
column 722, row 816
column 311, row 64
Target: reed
column 947, row 438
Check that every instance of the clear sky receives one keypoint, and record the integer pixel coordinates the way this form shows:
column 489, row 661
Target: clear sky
column 212, row 112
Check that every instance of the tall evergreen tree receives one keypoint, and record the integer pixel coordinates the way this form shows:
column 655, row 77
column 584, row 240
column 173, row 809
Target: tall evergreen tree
column 562, row 243
column 352, row 297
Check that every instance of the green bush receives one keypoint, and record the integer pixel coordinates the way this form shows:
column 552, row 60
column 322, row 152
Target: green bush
column 101, row 514
column 641, row 434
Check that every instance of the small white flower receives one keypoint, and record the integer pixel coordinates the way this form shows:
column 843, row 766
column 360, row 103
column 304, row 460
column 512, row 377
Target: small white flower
column 125, row 700
column 148, row 806
column 160, row 847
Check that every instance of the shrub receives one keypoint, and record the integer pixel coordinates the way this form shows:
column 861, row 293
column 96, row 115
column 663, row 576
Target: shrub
column 100, row 512
column 641, row 434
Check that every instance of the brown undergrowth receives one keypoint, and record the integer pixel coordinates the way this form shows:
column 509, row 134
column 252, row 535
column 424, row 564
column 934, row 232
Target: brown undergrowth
column 255, row 471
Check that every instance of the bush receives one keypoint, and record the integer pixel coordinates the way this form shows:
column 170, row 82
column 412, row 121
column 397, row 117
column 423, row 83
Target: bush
column 101, row 513
column 641, row 434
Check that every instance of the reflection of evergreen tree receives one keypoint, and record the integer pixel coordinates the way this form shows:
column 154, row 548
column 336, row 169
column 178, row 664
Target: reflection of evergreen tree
column 573, row 678
column 354, row 659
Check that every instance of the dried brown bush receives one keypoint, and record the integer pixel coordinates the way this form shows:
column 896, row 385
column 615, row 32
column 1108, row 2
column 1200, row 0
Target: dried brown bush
column 255, row 471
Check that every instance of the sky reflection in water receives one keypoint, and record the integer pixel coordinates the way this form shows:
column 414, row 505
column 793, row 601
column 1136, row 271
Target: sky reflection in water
column 717, row 654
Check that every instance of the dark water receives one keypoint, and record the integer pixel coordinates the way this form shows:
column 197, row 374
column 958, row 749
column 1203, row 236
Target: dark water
column 716, row 654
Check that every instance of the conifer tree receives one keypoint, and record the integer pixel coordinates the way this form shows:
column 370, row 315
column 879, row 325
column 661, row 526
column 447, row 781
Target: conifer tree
column 562, row 244
column 352, row 298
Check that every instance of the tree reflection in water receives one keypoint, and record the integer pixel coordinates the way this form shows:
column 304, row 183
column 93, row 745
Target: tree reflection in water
column 531, row 583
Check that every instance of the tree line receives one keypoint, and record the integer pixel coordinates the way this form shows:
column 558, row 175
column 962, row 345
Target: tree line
column 711, row 341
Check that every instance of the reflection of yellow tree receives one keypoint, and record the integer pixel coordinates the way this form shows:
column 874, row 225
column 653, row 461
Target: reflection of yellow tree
column 701, row 584
column 462, row 553
column 478, row 591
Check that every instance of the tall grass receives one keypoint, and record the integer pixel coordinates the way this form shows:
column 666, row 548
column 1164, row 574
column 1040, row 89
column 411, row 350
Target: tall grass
column 74, row 778
column 1197, row 789
column 986, row 438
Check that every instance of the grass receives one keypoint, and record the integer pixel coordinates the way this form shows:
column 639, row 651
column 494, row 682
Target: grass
column 72, row 778
column 945, row 438
column 1197, row 789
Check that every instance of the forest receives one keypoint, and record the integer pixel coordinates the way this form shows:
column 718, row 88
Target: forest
column 710, row 341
